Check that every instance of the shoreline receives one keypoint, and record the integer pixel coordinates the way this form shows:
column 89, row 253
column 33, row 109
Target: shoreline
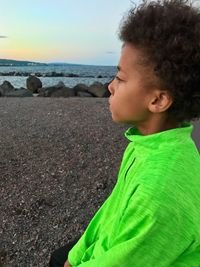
column 35, row 87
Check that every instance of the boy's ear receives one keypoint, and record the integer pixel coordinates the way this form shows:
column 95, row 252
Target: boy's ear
column 160, row 101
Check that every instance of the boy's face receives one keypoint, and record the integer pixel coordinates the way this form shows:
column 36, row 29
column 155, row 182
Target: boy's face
column 129, row 99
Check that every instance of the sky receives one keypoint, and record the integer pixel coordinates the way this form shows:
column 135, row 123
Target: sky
column 71, row 31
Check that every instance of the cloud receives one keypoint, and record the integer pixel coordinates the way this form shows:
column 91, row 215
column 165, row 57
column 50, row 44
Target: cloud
column 3, row 36
column 110, row 52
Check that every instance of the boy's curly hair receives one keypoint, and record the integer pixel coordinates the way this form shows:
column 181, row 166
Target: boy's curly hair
column 168, row 32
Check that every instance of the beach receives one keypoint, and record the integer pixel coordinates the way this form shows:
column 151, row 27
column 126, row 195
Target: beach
column 59, row 160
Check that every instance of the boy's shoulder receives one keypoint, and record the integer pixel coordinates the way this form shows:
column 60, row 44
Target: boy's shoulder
column 167, row 173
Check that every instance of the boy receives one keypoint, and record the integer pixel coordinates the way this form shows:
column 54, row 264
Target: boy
column 152, row 216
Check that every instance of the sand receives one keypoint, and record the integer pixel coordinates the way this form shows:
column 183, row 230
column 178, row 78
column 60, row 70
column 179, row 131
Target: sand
column 59, row 160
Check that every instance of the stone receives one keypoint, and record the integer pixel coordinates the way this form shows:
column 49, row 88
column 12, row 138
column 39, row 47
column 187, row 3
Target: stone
column 33, row 84
column 80, row 87
column 59, row 90
column 19, row 93
column 83, row 94
column 6, row 87
column 97, row 89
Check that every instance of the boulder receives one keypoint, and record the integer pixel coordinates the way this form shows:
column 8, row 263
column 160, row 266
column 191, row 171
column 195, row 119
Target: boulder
column 59, row 90
column 71, row 75
column 107, row 93
column 83, row 94
column 80, row 87
column 97, row 89
column 6, row 87
column 63, row 92
column 33, row 84
column 60, row 85
column 41, row 92
column 19, row 93
column 53, row 74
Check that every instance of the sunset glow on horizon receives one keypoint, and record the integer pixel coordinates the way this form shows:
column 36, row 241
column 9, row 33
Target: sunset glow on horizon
column 62, row 31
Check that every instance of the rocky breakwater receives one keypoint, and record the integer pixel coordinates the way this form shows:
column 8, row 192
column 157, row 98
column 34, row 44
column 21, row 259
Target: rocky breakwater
column 50, row 74
column 35, row 88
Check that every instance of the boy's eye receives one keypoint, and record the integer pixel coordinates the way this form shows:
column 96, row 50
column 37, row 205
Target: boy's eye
column 117, row 77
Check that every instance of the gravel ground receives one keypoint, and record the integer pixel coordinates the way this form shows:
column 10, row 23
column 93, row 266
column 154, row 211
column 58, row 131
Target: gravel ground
column 59, row 159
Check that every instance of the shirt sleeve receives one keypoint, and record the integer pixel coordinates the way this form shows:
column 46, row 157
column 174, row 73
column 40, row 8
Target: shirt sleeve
column 91, row 233
column 149, row 234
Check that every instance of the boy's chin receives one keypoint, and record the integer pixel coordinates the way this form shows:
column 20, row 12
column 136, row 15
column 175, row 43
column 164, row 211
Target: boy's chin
column 117, row 119
column 120, row 120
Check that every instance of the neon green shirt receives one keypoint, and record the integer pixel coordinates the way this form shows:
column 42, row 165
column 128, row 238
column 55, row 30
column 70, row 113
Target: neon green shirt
column 152, row 216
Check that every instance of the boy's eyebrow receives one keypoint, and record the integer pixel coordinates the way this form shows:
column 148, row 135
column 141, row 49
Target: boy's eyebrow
column 120, row 69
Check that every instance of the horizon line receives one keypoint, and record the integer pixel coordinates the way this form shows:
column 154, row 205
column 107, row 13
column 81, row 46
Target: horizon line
column 57, row 62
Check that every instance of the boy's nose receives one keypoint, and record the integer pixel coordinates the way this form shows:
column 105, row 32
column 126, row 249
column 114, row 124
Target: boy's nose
column 111, row 87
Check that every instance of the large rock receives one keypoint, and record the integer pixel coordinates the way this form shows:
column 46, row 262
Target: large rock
column 59, row 90
column 107, row 93
column 71, row 75
column 83, row 94
column 19, row 93
column 33, row 84
column 81, row 90
column 97, row 89
column 63, row 92
column 6, row 87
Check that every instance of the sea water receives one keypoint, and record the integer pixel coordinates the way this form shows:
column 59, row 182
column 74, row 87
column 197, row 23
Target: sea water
column 106, row 72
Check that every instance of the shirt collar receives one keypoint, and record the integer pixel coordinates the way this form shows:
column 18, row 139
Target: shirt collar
column 171, row 136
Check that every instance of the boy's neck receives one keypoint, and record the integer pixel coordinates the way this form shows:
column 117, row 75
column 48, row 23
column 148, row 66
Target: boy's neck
column 155, row 126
